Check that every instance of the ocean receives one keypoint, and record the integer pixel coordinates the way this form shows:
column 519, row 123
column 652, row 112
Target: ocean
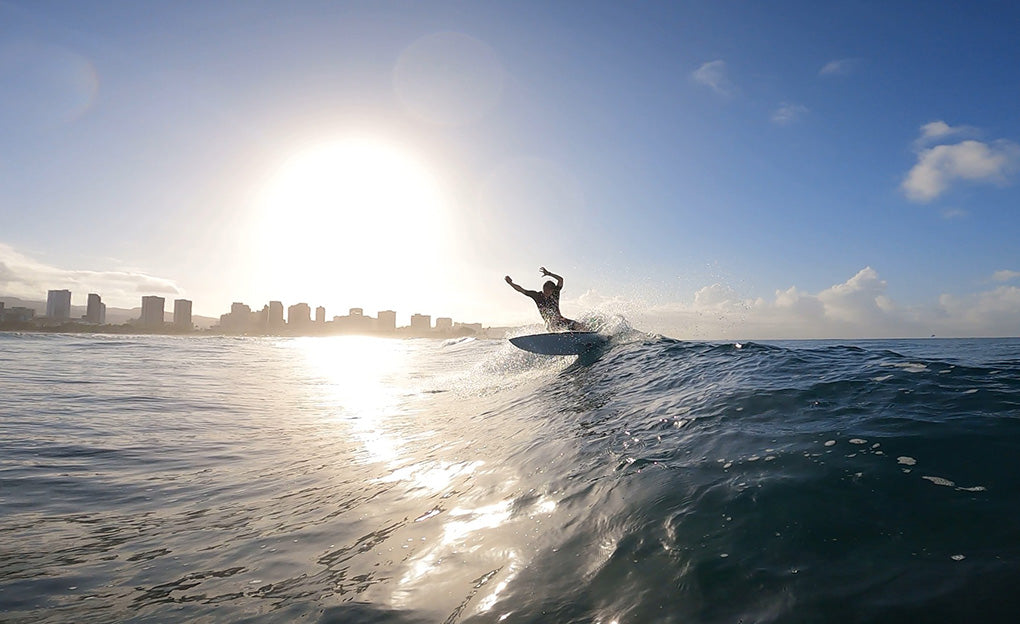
column 355, row 479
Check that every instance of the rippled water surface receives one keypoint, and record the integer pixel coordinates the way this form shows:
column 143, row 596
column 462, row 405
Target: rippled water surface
column 368, row 480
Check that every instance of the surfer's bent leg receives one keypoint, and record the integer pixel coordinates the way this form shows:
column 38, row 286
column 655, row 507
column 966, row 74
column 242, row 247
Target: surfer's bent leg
column 557, row 324
column 574, row 325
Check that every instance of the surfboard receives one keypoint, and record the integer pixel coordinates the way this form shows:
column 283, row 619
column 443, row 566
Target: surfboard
column 560, row 343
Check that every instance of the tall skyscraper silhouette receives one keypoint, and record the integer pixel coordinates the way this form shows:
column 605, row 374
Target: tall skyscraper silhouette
column 299, row 314
column 182, row 314
column 152, row 311
column 386, row 321
column 95, row 311
column 58, row 304
column 276, row 315
column 421, row 322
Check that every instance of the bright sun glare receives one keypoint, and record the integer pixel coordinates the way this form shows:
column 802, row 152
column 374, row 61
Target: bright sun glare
column 352, row 220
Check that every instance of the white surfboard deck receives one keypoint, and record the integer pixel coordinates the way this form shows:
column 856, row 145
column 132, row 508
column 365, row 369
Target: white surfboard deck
column 559, row 343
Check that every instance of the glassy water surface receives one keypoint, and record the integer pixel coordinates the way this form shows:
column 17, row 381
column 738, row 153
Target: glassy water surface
column 368, row 480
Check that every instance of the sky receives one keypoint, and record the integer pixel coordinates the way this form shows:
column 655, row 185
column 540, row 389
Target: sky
column 706, row 170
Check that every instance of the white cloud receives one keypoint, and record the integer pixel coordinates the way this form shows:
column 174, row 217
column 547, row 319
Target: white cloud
column 25, row 278
column 954, row 213
column 787, row 113
column 1005, row 275
column 859, row 299
column 990, row 313
column 839, row 67
column 713, row 74
column 799, row 303
column 716, row 297
column 970, row 160
column 859, row 307
column 938, row 131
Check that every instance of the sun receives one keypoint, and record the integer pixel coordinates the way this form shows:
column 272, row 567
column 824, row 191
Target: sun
column 352, row 220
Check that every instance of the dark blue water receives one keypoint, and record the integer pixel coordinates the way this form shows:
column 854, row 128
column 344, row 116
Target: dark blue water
column 150, row 479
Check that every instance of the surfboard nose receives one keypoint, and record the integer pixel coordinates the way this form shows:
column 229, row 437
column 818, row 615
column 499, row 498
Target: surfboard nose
column 559, row 343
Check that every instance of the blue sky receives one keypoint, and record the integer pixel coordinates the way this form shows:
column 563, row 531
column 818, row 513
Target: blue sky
column 713, row 170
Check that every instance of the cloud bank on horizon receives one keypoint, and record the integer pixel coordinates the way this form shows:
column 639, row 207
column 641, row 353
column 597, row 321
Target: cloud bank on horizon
column 860, row 307
column 25, row 278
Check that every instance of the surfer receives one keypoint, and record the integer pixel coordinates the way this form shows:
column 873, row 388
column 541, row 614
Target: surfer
column 548, row 302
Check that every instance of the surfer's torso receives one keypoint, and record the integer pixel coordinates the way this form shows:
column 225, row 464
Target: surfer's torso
column 549, row 308
column 548, row 305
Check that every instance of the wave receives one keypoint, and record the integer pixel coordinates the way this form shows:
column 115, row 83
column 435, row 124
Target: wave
column 779, row 482
column 469, row 481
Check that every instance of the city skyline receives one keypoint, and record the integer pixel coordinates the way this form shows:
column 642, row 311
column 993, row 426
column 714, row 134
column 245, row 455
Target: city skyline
column 66, row 302
column 704, row 170
column 240, row 319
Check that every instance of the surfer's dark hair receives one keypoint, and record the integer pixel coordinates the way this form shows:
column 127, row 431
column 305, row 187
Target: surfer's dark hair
column 549, row 284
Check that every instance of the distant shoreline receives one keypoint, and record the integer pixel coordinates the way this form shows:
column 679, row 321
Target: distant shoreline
column 169, row 330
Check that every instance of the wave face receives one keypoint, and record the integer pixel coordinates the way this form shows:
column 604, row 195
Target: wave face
column 365, row 480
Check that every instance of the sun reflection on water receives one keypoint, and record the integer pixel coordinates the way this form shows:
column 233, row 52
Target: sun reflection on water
column 362, row 388
column 432, row 477
column 462, row 518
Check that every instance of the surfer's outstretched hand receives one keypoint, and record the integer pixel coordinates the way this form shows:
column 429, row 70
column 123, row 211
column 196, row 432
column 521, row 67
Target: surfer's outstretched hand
column 543, row 271
column 508, row 280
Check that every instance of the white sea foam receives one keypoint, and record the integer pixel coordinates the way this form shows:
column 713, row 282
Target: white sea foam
column 910, row 367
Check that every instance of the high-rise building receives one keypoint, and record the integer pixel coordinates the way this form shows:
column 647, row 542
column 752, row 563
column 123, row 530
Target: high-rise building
column 95, row 311
column 387, row 321
column 299, row 314
column 276, row 315
column 238, row 320
column 58, row 304
column 421, row 322
column 152, row 311
column 260, row 319
column 182, row 314
column 17, row 314
column 320, row 314
column 354, row 323
column 444, row 323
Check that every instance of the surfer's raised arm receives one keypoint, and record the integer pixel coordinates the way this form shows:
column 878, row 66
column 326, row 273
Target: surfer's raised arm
column 519, row 289
column 559, row 280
